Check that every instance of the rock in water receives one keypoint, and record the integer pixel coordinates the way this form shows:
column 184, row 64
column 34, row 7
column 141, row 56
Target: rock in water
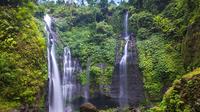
column 88, row 107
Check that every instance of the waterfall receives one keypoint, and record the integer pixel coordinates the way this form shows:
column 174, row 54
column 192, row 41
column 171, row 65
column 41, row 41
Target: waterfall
column 123, row 92
column 87, row 86
column 126, row 26
column 53, row 0
column 55, row 93
column 69, row 81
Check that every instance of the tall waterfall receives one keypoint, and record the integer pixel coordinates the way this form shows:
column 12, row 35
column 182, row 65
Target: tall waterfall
column 55, row 93
column 69, row 81
column 123, row 95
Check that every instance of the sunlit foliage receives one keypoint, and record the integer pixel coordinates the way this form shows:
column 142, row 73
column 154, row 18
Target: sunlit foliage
column 22, row 60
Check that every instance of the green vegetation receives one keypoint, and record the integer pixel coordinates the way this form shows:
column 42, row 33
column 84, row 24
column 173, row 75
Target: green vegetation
column 166, row 47
column 183, row 95
column 160, row 64
column 22, row 61
column 109, row 110
column 91, row 34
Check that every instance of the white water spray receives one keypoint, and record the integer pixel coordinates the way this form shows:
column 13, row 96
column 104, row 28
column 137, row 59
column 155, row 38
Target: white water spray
column 69, row 82
column 87, row 86
column 55, row 93
column 123, row 95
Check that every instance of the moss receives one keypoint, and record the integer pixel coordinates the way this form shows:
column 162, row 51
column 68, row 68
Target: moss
column 183, row 96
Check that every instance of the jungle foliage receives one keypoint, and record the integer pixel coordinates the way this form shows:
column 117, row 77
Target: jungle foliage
column 167, row 36
column 90, row 33
column 182, row 96
column 22, row 59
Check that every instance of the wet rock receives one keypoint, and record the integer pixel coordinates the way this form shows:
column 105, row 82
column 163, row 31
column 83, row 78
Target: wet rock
column 134, row 77
column 131, row 109
column 88, row 107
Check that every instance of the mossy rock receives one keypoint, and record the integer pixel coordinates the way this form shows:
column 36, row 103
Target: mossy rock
column 183, row 96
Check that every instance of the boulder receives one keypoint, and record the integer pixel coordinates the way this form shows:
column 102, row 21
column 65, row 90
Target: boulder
column 88, row 107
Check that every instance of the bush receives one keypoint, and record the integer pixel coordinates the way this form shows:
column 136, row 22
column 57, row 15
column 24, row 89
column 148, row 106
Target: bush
column 23, row 66
column 142, row 19
column 143, row 34
column 183, row 96
column 160, row 64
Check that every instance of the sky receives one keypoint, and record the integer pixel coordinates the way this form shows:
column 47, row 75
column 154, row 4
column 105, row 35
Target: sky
column 76, row 1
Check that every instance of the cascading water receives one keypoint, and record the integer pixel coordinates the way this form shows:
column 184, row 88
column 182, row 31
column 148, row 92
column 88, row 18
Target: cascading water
column 69, row 82
column 87, row 86
column 123, row 95
column 55, row 93
column 53, row 0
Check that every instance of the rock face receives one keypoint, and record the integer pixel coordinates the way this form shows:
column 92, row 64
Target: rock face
column 103, row 101
column 191, row 46
column 88, row 107
column 134, row 78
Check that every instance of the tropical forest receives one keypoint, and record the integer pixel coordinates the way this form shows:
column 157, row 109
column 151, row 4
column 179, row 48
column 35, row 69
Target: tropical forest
column 99, row 55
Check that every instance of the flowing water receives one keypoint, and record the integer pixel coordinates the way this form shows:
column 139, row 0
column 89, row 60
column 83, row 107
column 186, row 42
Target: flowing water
column 55, row 93
column 123, row 95
column 69, row 82
column 58, row 94
column 87, row 85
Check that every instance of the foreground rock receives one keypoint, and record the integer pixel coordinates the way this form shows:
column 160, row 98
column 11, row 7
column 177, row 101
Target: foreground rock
column 183, row 96
column 88, row 107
